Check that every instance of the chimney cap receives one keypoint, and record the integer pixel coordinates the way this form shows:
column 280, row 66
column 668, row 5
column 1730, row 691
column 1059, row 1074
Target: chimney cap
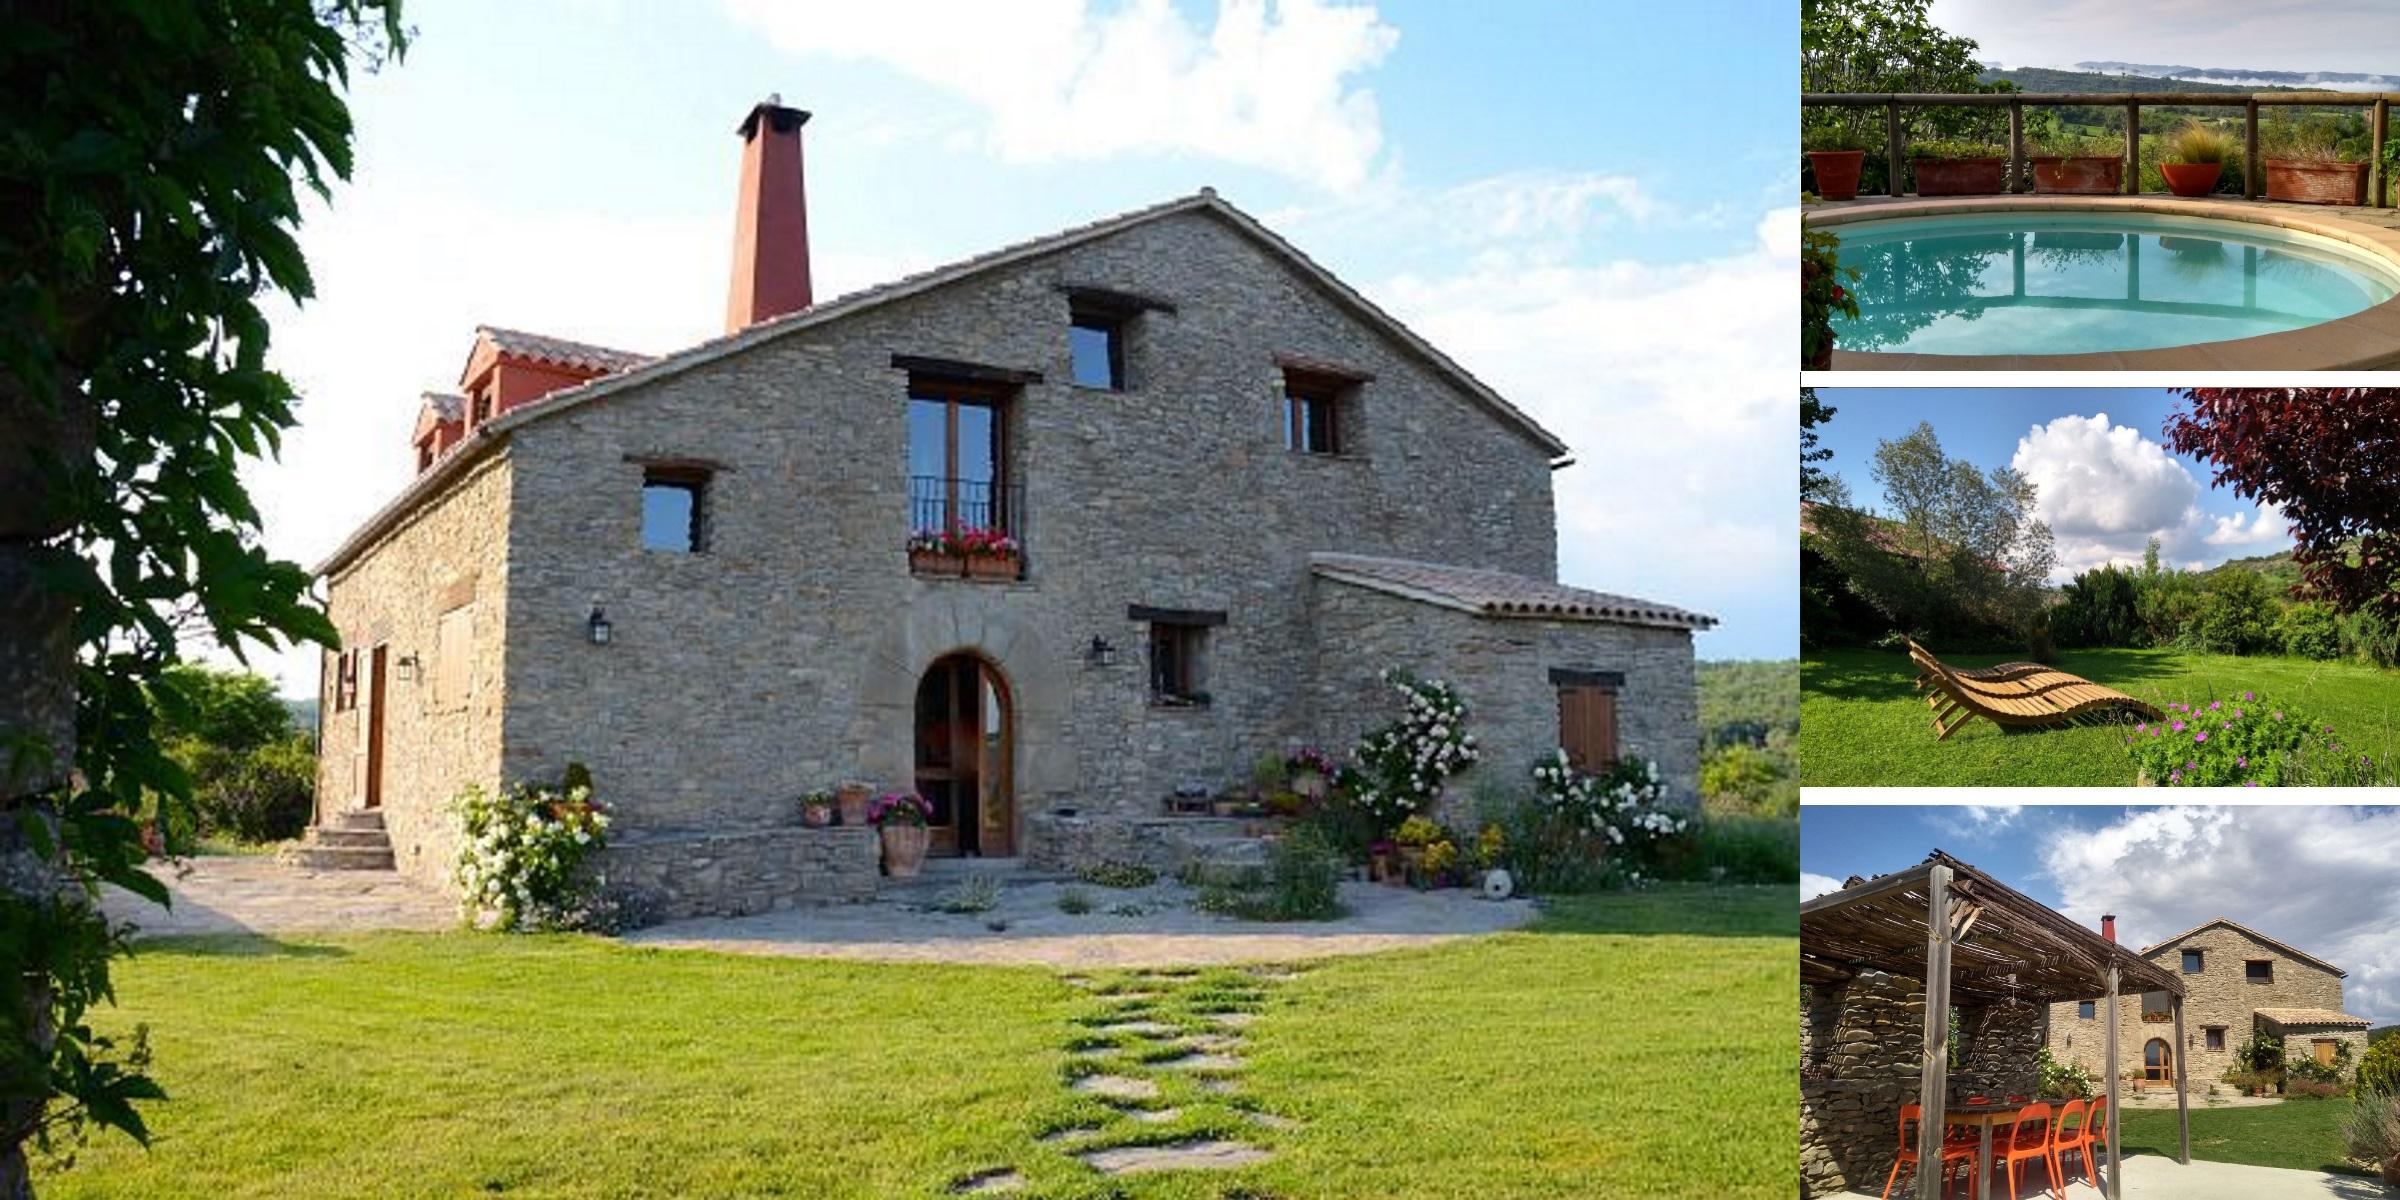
column 784, row 119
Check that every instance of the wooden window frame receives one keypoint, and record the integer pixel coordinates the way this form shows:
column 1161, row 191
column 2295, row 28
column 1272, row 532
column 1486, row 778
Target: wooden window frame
column 345, row 681
column 1303, row 389
column 1188, row 641
column 697, row 481
column 2212, row 1037
column 2194, row 962
column 2087, row 1010
column 1115, row 325
column 2251, row 975
column 952, row 392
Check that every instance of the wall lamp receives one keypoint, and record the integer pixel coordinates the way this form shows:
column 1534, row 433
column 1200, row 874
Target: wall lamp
column 597, row 628
column 407, row 668
column 1099, row 653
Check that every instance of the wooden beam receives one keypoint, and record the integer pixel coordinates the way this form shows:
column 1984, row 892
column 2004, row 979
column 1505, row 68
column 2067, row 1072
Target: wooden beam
column 952, row 368
column 2381, row 177
column 2016, row 155
column 2250, row 150
column 2133, row 148
column 1891, row 145
column 1933, row 1076
column 2183, row 1103
column 1881, row 885
column 2116, row 1089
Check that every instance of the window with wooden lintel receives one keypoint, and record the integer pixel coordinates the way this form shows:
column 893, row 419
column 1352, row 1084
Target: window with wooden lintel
column 1178, row 653
column 2191, row 962
column 2259, row 970
column 958, row 454
column 2215, row 1035
column 2087, row 1009
column 2326, row 1049
column 1314, row 420
column 345, row 681
column 675, row 509
column 1096, row 347
column 1587, row 716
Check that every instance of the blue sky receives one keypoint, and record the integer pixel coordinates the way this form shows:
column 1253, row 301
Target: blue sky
column 1503, row 178
column 2108, row 483
column 2322, row 878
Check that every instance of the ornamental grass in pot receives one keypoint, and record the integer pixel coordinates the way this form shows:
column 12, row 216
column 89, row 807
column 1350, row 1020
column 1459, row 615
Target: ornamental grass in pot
column 2196, row 156
column 2078, row 166
column 1836, row 157
column 899, row 819
column 2307, row 166
column 1958, row 168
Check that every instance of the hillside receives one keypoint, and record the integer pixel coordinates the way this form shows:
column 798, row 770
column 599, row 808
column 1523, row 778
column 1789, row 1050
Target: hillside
column 2279, row 569
column 2047, row 79
column 2250, row 79
column 1745, row 701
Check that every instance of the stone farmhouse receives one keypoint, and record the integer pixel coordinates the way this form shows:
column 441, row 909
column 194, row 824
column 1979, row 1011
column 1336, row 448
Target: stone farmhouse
column 1224, row 491
column 2237, row 983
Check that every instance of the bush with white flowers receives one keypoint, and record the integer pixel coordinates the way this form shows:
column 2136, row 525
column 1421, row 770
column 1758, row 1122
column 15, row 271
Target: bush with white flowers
column 1620, row 809
column 519, row 862
column 1397, row 771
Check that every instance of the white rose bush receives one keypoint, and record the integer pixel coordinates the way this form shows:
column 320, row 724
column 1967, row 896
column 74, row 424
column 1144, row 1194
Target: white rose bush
column 1619, row 814
column 1398, row 770
column 521, row 855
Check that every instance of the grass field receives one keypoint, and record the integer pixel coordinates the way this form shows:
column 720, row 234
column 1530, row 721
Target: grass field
column 1629, row 1045
column 2304, row 1135
column 1863, row 724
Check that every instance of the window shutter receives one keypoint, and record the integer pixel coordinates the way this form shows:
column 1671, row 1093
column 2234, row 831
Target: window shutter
column 1587, row 726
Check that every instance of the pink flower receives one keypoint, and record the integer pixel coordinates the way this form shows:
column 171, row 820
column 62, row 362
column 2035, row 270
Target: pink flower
column 2237, row 714
column 2176, row 777
column 2179, row 727
column 2243, row 761
column 2201, row 736
column 2247, row 696
column 2228, row 724
column 2249, row 783
column 2214, row 705
column 2142, row 728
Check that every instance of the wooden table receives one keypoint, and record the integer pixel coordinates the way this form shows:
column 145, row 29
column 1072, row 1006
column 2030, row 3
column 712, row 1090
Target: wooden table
column 1985, row 1116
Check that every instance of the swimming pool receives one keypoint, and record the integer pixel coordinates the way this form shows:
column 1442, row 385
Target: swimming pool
column 1990, row 283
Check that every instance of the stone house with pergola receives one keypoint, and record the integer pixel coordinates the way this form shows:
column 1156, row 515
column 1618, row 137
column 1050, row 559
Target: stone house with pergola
column 2238, row 983
column 1047, row 534
column 1884, row 963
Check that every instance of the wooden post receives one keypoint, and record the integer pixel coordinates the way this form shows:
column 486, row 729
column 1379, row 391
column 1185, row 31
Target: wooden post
column 2017, row 181
column 1933, row 1078
column 2183, row 1103
column 2380, row 178
column 2133, row 149
column 1891, row 144
column 2250, row 181
column 2116, row 1089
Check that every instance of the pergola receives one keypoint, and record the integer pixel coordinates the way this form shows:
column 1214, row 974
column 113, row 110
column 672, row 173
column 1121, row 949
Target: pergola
column 1971, row 938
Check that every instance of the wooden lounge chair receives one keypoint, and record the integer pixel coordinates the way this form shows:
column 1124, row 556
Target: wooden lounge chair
column 2030, row 695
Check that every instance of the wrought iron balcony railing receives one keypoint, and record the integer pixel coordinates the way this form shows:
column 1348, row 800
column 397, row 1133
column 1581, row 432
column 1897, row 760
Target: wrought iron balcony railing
column 971, row 528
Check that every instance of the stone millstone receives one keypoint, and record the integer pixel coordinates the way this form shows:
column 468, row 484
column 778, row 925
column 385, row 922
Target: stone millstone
column 1200, row 1154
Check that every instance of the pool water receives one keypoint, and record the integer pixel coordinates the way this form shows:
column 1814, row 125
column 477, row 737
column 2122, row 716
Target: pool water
column 2074, row 283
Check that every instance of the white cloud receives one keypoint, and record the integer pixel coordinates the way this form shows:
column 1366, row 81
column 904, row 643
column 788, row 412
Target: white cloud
column 1268, row 85
column 2107, row 489
column 1813, row 886
column 1977, row 822
column 2323, row 879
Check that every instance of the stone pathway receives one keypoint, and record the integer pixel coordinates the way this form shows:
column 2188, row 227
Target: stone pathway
column 1154, row 1079
column 253, row 893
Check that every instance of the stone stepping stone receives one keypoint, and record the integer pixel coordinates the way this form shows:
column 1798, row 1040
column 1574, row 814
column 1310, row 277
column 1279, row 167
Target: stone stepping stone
column 1118, row 1087
column 1148, row 1029
column 1130, row 998
column 1268, row 1120
column 1068, row 1134
column 999, row 1179
column 1219, row 1086
column 1211, row 1043
column 1197, row 1154
column 1233, row 1020
column 1200, row 1062
column 1151, row 1116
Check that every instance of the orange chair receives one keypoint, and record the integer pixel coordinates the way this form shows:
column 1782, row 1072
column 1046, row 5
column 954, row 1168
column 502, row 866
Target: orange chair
column 2091, row 1138
column 2065, row 1140
column 1955, row 1151
column 2028, row 1139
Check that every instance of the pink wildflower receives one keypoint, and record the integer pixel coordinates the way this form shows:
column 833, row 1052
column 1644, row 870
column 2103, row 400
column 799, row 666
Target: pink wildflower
column 2247, row 696
column 2201, row 736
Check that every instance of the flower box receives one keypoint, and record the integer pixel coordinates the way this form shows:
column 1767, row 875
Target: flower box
column 2311, row 182
column 936, row 562
column 2079, row 176
column 994, row 566
column 1960, row 176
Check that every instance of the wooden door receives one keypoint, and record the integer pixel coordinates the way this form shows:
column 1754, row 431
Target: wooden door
column 2158, row 1061
column 995, row 803
column 374, row 790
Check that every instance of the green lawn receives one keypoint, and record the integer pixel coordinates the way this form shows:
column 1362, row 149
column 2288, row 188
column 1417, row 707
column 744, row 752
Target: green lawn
column 1635, row 1045
column 2304, row 1135
column 1863, row 724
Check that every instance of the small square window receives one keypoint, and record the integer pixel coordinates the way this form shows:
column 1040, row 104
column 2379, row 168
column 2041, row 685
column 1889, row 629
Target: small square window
column 2216, row 1037
column 1096, row 350
column 1313, row 413
column 2087, row 1009
column 674, row 510
column 1177, row 667
column 2191, row 962
column 2259, row 970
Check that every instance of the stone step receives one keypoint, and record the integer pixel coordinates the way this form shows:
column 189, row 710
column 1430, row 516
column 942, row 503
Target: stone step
column 362, row 839
column 337, row 858
column 358, row 818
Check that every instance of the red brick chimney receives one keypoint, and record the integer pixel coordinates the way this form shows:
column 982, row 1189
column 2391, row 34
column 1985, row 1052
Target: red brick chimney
column 770, row 219
column 2108, row 927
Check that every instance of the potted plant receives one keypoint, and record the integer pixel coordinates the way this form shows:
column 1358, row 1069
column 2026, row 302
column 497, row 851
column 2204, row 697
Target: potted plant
column 930, row 552
column 1440, row 859
column 2304, row 166
column 1836, row 156
column 899, row 819
column 1821, row 296
column 2196, row 155
column 1413, row 837
column 989, row 553
column 816, row 809
column 1309, row 772
column 2079, row 166
column 852, row 800
column 1380, row 857
column 1958, row 168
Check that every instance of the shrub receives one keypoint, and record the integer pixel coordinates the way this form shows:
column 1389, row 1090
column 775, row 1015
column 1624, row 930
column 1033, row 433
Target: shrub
column 2372, row 1132
column 1109, row 873
column 2237, row 614
column 2247, row 743
column 2193, row 142
column 2063, row 1081
column 1952, row 149
column 263, row 794
column 975, row 893
column 1302, row 882
column 2311, row 1089
column 2100, row 607
column 1724, row 849
column 1075, row 902
column 2308, row 1068
column 2072, row 145
column 2309, row 630
column 521, row 853
column 2379, row 1068
column 1743, row 778
column 1399, row 769
column 1822, row 293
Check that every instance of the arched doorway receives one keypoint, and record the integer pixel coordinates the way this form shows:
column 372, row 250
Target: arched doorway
column 2158, row 1061
column 963, row 757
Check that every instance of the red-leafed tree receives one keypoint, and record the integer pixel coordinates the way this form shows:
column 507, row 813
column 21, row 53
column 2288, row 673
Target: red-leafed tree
column 2330, row 459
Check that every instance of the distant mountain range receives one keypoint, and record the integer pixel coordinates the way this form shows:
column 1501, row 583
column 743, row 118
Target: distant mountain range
column 2337, row 81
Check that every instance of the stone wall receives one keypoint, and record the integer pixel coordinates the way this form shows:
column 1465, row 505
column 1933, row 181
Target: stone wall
column 1861, row 1054
column 1502, row 669
column 673, row 875
column 786, row 657
column 1073, row 842
column 447, row 554
column 2220, row 996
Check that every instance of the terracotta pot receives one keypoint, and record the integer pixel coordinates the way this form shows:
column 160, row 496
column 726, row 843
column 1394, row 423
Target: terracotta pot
column 1960, row 176
column 2316, row 182
column 990, row 566
column 853, row 799
column 2082, row 176
column 904, row 850
column 934, row 562
column 1837, row 172
column 2391, row 1171
column 816, row 815
column 2192, row 179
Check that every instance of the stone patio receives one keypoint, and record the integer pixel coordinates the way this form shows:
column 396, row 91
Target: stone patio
column 2149, row 1177
column 253, row 893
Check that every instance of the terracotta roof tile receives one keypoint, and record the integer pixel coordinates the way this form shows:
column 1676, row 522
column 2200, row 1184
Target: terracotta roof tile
column 544, row 348
column 2313, row 1016
column 1498, row 593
